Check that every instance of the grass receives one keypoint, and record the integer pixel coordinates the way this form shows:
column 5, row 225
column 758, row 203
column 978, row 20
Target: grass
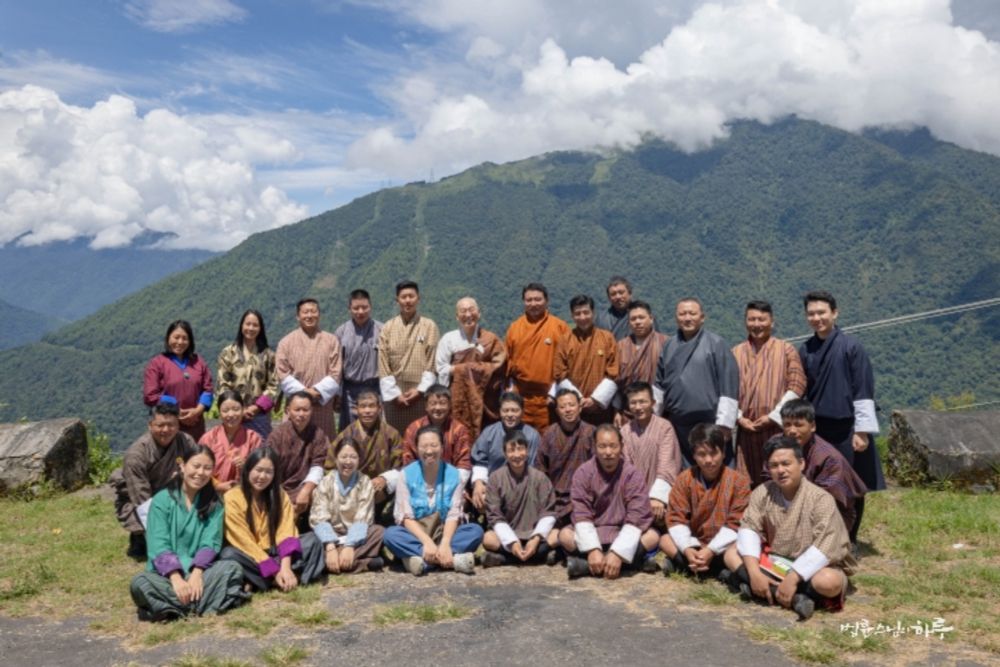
column 199, row 660
column 822, row 647
column 280, row 655
column 711, row 593
column 418, row 613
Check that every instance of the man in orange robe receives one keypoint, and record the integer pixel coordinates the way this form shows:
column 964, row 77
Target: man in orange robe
column 531, row 341
column 586, row 359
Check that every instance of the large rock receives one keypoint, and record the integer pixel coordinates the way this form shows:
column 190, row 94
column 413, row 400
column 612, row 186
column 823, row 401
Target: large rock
column 926, row 446
column 55, row 450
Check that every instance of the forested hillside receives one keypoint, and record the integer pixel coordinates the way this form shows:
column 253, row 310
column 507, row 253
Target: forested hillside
column 892, row 223
column 22, row 326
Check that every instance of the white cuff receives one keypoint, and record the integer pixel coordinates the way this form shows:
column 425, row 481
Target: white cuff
column 660, row 491
column 480, row 474
column 544, row 526
column 389, row 388
column 505, row 534
column 315, row 475
column 142, row 512
column 681, row 535
column 327, row 388
column 775, row 415
column 725, row 413
column 810, row 562
column 426, row 380
column 864, row 416
column 748, row 543
column 552, row 390
column 391, row 477
column 604, row 392
column 657, row 400
column 291, row 386
column 464, row 475
column 586, row 537
column 627, row 542
column 722, row 540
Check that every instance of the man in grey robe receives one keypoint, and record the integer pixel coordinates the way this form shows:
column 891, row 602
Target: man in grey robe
column 697, row 378
column 615, row 317
column 358, row 348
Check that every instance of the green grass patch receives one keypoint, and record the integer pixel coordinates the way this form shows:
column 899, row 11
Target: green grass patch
column 712, row 593
column 280, row 655
column 251, row 620
column 418, row 613
column 314, row 618
column 199, row 660
column 165, row 633
column 821, row 647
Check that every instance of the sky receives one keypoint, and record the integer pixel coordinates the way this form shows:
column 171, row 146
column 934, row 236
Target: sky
column 200, row 122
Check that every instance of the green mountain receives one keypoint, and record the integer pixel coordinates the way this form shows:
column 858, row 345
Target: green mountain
column 892, row 223
column 21, row 325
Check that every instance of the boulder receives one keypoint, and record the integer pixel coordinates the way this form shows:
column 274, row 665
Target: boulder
column 927, row 446
column 54, row 450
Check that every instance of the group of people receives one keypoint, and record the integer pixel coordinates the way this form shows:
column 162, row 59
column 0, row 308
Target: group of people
column 596, row 446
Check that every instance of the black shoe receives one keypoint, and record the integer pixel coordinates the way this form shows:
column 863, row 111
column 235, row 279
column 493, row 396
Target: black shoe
column 554, row 556
column 650, row 566
column 668, row 567
column 375, row 564
column 725, row 576
column 803, row 606
column 493, row 559
column 136, row 546
column 577, row 567
column 746, row 594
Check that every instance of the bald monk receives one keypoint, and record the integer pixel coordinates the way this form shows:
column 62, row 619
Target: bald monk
column 531, row 342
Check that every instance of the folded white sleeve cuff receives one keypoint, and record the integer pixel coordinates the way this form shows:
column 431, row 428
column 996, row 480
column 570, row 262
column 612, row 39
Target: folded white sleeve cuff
column 315, row 475
column 552, row 390
column 748, row 543
column 480, row 474
column 722, row 540
column 810, row 562
column 586, row 537
column 775, row 415
column 505, row 534
column 389, row 388
column 660, row 491
column 142, row 512
column 291, row 386
column 391, row 477
column 657, row 400
column 627, row 542
column 681, row 535
column 327, row 388
column 604, row 392
column 864, row 416
column 544, row 526
column 426, row 380
column 725, row 413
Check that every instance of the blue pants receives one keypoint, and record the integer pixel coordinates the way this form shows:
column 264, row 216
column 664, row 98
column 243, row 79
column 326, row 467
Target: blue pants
column 403, row 544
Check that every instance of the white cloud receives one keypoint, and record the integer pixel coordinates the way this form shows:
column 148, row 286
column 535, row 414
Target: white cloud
column 41, row 68
column 182, row 15
column 109, row 174
column 848, row 63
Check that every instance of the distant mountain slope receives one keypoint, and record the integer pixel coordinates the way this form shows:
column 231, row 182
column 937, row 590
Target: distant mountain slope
column 768, row 213
column 69, row 280
column 22, row 326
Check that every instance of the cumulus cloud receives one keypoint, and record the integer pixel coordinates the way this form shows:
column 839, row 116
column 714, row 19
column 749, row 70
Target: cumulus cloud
column 848, row 63
column 110, row 174
column 182, row 15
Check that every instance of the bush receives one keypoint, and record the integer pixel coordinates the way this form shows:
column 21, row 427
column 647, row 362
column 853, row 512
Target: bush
column 103, row 461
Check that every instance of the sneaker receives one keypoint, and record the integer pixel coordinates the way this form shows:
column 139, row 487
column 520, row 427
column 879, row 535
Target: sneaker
column 375, row 564
column 668, row 567
column 577, row 567
column 415, row 565
column 493, row 559
column 650, row 566
column 464, row 563
column 803, row 606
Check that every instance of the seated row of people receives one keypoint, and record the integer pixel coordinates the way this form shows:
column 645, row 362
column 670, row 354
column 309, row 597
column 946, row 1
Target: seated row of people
column 594, row 494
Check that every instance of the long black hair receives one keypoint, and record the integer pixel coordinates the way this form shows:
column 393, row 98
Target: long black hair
column 271, row 496
column 261, row 337
column 207, row 498
column 189, row 354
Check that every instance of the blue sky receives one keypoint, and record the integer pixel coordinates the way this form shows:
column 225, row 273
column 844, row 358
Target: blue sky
column 210, row 120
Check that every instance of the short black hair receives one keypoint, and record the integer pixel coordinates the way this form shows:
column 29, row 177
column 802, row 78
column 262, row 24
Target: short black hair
column 430, row 428
column 707, row 434
column 535, row 287
column 819, row 295
column 300, row 394
column 516, row 437
column 365, row 393
column 635, row 305
column 782, row 442
column 608, row 428
column 761, row 305
column 566, row 391
column 407, row 284
column 580, row 300
column 799, row 408
column 618, row 280
column 511, row 397
column 438, row 390
column 638, row 387
column 692, row 299
column 357, row 295
column 302, row 302
column 166, row 409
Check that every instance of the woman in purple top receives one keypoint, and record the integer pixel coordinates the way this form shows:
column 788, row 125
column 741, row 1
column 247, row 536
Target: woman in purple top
column 178, row 375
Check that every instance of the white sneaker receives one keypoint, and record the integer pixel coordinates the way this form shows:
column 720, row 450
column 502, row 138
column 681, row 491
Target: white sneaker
column 465, row 563
column 414, row 565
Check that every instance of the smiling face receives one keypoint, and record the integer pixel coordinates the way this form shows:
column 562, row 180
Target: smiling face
column 786, row 470
column 759, row 325
column 583, row 317
column 467, row 314
column 369, row 411
column 689, row 318
column 821, row 317
column 178, row 342
column 709, row 461
column 535, row 304
column 197, row 472
column 231, row 413
column 347, row 461
column 438, row 408
column 640, row 322
column 250, row 328
column 568, row 409
column 619, row 296
column 510, row 414
column 361, row 311
column 609, row 450
column 164, row 429
column 408, row 299
column 640, row 404
column 299, row 412
column 308, row 317
column 517, row 456
column 429, row 448
column 261, row 475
